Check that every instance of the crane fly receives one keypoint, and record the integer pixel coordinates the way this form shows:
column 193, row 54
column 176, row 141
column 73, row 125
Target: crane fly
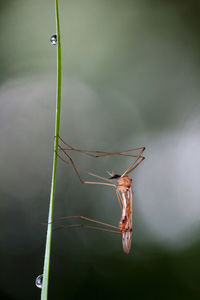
column 122, row 184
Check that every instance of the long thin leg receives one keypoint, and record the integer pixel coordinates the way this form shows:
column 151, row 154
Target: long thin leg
column 100, row 153
column 119, row 198
column 86, row 219
column 88, row 152
column 135, row 166
column 87, row 226
column 91, row 174
column 132, row 165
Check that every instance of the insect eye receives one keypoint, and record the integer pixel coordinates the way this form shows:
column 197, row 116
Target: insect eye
column 115, row 176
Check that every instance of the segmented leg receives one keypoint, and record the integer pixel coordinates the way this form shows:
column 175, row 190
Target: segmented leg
column 85, row 225
column 86, row 219
column 119, row 199
column 97, row 153
column 89, row 173
column 133, row 166
column 138, row 163
column 93, row 153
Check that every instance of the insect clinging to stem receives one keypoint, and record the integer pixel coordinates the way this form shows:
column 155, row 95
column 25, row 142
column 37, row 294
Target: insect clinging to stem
column 123, row 188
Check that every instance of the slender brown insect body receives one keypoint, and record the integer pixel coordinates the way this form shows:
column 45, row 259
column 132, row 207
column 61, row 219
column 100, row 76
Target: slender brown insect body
column 123, row 190
column 124, row 187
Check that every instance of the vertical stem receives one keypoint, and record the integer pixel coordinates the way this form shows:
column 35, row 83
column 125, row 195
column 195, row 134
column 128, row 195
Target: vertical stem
column 45, row 282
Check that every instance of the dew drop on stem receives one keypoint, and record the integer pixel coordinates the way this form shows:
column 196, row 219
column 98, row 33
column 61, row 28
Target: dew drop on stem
column 53, row 39
column 38, row 281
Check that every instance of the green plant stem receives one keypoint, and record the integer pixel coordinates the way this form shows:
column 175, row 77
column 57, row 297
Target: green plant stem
column 45, row 281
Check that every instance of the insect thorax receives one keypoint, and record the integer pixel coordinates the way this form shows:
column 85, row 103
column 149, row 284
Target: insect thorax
column 125, row 182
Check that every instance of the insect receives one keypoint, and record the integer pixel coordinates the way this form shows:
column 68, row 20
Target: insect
column 122, row 184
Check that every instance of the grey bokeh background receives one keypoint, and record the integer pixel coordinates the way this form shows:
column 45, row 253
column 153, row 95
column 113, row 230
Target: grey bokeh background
column 130, row 77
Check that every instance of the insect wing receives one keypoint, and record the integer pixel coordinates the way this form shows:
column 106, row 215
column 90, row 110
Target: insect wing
column 126, row 241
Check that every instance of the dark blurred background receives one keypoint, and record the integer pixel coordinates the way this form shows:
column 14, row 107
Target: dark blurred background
column 130, row 77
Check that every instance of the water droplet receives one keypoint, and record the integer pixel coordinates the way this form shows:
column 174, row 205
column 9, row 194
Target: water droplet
column 38, row 281
column 53, row 39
